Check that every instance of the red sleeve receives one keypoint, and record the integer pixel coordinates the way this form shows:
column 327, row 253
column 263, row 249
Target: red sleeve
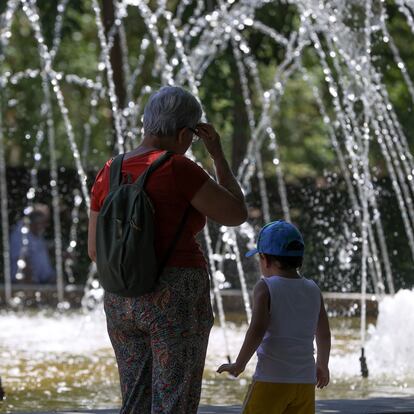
column 188, row 176
column 100, row 188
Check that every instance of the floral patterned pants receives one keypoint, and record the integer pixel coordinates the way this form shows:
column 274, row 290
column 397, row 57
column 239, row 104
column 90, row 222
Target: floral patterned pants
column 160, row 342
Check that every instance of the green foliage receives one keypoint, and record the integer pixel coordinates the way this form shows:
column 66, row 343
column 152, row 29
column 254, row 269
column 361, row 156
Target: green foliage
column 302, row 136
column 306, row 155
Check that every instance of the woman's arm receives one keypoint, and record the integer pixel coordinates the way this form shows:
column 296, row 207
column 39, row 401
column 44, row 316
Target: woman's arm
column 323, row 344
column 93, row 216
column 222, row 202
column 256, row 331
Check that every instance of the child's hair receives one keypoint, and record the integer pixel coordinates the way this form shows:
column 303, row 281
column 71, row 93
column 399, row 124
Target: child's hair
column 290, row 262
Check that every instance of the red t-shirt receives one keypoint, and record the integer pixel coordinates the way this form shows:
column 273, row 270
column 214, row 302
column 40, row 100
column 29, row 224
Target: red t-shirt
column 170, row 187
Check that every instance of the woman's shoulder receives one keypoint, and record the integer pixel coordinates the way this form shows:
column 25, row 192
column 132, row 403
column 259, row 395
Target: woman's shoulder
column 188, row 175
column 182, row 159
column 104, row 170
column 184, row 166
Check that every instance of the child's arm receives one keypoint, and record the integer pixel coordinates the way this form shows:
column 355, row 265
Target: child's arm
column 323, row 343
column 256, row 331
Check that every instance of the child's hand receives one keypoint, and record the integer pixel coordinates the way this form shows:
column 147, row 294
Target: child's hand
column 234, row 369
column 322, row 375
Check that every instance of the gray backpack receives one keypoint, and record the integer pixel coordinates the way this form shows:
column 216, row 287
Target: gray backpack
column 125, row 254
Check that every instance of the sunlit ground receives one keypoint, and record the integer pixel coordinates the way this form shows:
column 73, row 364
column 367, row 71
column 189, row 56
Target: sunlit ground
column 51, row 361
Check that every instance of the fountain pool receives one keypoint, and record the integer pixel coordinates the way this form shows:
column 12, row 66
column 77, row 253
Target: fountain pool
column 51, row 361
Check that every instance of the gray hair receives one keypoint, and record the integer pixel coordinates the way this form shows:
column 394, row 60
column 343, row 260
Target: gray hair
column 170, row 109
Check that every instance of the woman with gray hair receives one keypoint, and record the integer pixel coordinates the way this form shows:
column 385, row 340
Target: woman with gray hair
column 160, row 338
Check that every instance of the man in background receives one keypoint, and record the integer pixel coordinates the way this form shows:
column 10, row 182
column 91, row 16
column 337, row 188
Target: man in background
column 29, row 253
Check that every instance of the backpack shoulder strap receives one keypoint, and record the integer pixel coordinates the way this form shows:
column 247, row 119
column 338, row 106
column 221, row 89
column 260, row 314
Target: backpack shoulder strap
column 174, row 242
column 142, row 179
column 115, row 172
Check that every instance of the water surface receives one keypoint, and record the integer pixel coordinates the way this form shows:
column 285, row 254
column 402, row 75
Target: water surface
column 51, row 361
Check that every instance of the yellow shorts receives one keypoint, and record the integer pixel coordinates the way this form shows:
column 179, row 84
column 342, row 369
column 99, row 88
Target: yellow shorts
column 273, row 398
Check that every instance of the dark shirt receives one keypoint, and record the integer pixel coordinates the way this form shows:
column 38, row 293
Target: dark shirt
column 37, row 256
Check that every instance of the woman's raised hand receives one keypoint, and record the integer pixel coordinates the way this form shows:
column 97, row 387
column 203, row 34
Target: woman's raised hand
column 211, row 139
column 222, row 202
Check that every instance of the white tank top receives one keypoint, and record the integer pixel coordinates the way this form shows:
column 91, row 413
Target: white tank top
column 286, row 352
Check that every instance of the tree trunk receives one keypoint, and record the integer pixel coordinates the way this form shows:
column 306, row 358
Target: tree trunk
column 241, row 131
column 116, row 58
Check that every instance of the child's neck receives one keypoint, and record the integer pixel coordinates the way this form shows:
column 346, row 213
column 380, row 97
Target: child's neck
column 277, row 271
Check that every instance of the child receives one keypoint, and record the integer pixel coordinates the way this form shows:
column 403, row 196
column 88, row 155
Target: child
column 288, row 311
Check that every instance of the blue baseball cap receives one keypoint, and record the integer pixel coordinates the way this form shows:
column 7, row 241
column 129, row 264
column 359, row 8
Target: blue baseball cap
column 275, row 237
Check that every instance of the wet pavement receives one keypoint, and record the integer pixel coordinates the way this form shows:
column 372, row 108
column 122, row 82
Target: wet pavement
column 368, row 406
